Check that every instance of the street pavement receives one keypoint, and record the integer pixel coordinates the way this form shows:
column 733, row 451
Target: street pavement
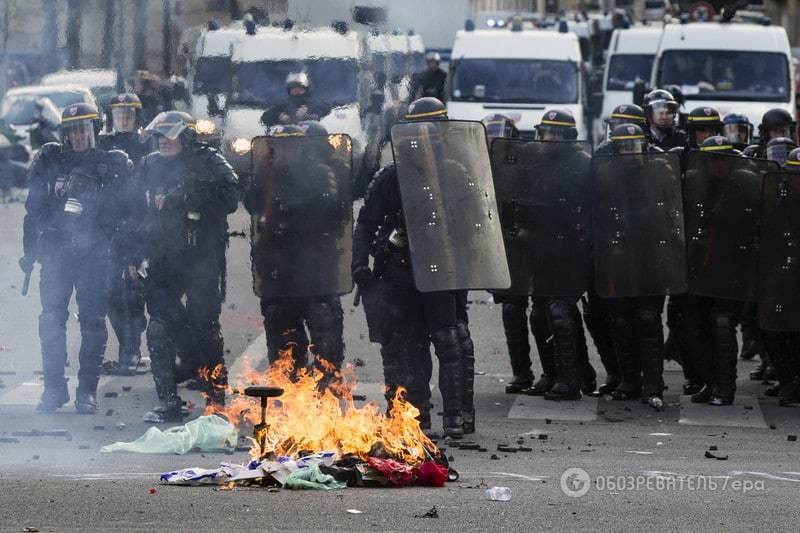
column 643, row 470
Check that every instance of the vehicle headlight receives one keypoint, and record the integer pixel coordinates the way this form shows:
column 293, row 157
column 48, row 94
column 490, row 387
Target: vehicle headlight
column 205, row 127
column 240, row 146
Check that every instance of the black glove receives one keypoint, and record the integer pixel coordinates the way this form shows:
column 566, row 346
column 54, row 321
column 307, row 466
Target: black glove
column 362, row 275
column 26, row 263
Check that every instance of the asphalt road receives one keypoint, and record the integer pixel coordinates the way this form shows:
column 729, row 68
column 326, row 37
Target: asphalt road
column 646, row 471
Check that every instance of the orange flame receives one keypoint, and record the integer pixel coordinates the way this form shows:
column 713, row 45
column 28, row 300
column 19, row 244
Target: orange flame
column 305, row 419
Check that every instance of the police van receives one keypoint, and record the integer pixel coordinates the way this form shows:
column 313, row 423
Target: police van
column 734, row 67
column 517, row 72
column 260, row 64
column 631, row 53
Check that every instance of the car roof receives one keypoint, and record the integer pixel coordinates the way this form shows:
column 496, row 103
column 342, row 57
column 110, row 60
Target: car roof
column 89, row 77
column 48, row 89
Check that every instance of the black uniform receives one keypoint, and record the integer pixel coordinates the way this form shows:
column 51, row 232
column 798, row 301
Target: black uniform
column 185, row 243
column 79, row 207
column 408, row 312
column 429, row 83
column 297, row 108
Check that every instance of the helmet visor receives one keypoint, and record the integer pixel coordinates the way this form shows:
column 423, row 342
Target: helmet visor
column 779, row 152
column 124, row 119
column 738, row 133
column 78, row 135
column 166, row 125
column 773, row 132
column 551, row 133
column 663, row 112
column 629, row 146
column 498, row 129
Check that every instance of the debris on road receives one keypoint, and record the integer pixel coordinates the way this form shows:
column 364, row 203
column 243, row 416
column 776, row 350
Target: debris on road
column 433, row 512
column 43, row 433
column 709, row 455
column 207, row 433
column 791, row 438
column 498, row 494
column 354, row 511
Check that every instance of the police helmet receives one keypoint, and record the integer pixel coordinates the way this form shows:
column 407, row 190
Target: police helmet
column 433, row 56
column 499, row 125
column 659, row 101
column 705, row 119
column 793, row 161
column 172, row 124
column 557, row 124
column 738, row 129
column 427, row 108
column 297, row 79
column 778, row 149
column 78, row 120
column 717, row 144
column 628, row 139
column 126, row 107
column 624, row 114
column 776, row 119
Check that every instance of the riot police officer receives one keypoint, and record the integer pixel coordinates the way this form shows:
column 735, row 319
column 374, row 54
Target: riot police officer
column 442, row 314
column 622, row 114
column 78, row 208
column 775, row 123
column 738, row 129
column 298, row 105
column 190, row 190
column 126, row 293
column 636, row 328
column 661, row 108
column 702, row 123
column 431, row 82
column 292, row 321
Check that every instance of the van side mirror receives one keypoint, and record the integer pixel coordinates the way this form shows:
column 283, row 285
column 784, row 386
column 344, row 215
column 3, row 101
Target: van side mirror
column 639, row 90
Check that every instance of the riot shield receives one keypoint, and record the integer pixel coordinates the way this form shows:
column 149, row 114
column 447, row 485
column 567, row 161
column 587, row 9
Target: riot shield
column 637, row 215
column 302, row 240
column 544, row 196
column 779, row 261
column 450, row 210
column 722, row 210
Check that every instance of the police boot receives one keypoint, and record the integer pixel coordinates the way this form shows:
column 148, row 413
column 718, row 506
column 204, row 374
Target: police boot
column 588, row 381
column 548, row 377
column 565, row 347
column 467, row 377
column 764, row 371
column 630, row 385
column 595, row 316
column 724, row 354
column 515, row 324
column 54, row 396
column 86, row 402
column 446, row 344
column 609, row 360
column 170, row 410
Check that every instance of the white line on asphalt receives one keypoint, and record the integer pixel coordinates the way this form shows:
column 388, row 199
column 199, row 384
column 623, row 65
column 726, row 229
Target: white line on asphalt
column 504, row 474
column 537, row 408
column 105, row 476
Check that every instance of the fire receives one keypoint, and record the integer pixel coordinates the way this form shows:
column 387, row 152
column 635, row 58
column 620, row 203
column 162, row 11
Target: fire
column 304, row 419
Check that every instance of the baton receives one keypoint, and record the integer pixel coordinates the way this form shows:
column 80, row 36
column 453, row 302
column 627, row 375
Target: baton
column 357, row 296
column 26, row 284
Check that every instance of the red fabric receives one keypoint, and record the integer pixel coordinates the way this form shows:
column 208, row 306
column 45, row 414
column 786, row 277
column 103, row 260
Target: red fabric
column 431, row 474
column 397, row 473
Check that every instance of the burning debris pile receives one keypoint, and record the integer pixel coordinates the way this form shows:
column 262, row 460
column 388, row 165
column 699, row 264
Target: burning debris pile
column 310, row 434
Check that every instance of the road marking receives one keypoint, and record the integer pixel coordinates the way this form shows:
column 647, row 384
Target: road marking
column 537, row 408
column 29, row 392
column 110, row 476
column 504, row 474
column 701, row 414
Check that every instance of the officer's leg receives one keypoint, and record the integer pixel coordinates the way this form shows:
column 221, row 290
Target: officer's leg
column 440, row 316
column 595, row 315
column 562, row 322
column 286, row 334
column 91, row 293
column 55, row 291
column 623, row 337
column 650, row 333
column 203, row 307
column 325, row 320
column 467, row 362
column 587, row 374
column 782, row 349
column 751, row 341
column 695, row 326
column 544, row 346
column 116, row 313
column 683, row 320
column 515, row 324
column 723, row 324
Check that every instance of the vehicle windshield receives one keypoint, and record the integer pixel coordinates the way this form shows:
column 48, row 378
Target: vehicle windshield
column 19, row 109
column 332, row 81
column 515, row 81
column 625, row 69
column 212, row 75
column 726, row 75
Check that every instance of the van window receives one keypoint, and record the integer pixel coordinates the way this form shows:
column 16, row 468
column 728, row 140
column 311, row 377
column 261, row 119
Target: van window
column 211, row 75
column 263, row 83
column 625, row 69
column 726, row 75
column 515, row 81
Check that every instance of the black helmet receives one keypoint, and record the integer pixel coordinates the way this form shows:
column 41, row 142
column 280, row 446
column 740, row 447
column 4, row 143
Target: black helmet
column 659, row 100
column 297, row 79
column 778, row 149
column 499, row 125
column 793, row 161
column 624, row 114
column 123, row 107
column 313, row 128
column 83, row 118
column 557, row 123
column 172, row 124
column 286, row 130
column 427, row 108
column 628, row 139
column 717, row 144
column 703, row 119
column 738, row 129
column 776, row 119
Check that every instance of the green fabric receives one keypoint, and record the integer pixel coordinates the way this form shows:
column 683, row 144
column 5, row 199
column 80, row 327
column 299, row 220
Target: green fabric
column 207, row 434
column 312, row 478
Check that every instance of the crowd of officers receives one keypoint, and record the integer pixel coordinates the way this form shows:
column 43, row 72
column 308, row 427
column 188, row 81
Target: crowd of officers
column 127, row 228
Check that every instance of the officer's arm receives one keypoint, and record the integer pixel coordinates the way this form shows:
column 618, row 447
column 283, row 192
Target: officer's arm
column 129, row 205
column 38, row 197
column 221, row 196
column 370, row 216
